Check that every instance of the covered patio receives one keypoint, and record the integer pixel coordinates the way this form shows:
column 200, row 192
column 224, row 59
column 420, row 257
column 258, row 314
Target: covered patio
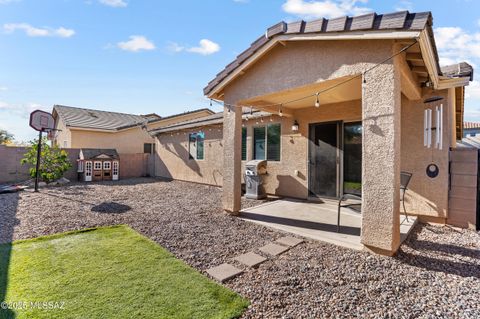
column 317, row 220
column 351, row 109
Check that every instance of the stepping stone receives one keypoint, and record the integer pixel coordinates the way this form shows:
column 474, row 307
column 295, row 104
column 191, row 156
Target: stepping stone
column 274, row 249
column 289, row 241
column 224, row 272
column 250, row 259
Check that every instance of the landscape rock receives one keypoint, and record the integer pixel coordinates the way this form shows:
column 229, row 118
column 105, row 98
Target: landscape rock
column 436, row 273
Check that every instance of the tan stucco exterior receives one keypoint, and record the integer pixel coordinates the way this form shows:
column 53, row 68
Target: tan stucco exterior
column 392, row 132
column 129, row 140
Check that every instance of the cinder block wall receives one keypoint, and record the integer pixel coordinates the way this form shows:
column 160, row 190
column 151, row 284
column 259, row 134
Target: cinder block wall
column 12, row 171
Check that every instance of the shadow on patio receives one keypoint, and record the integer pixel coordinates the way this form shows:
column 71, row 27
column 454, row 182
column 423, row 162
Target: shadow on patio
column 315, row 220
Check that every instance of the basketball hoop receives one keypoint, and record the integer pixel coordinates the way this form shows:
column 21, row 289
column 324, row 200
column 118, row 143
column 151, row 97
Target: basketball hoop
column 41, row 121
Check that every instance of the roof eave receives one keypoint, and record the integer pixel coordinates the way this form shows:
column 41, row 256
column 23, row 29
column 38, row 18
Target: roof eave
column 215, row 91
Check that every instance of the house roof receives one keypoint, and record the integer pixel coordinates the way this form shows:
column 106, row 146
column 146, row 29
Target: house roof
column 105, row 120
column 470, row 125
column 92, row 153
column 96, row 119
column 462, row 69
column 213, row 119
column 397, row 21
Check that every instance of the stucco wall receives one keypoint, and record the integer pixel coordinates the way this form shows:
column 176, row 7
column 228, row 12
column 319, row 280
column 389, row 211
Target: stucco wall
column 127, row 141
column 302, row 63
column 172, row 150
column 173, row 161
column 64, row 137
column 426, row 196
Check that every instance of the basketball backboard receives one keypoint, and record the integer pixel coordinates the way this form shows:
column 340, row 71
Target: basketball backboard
column 41, row 120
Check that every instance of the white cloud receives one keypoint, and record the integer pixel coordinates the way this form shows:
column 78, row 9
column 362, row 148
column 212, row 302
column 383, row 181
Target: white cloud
column 456, row 45
column 404, row 5
column 21, row 110
column 38, row 32
column 136, row 43
column 3, row 88
column 7, row 1
column 241, row 1
column 175, row 47
column 328, row 9
column 114, row 3
column 206, row 47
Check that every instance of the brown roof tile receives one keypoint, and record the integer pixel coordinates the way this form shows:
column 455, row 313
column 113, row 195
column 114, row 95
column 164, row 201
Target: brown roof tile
column 391, row 21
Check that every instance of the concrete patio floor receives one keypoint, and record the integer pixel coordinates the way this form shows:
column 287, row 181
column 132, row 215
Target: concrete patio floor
column 316, row 220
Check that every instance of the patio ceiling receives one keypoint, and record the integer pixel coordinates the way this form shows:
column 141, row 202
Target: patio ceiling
column 345, row 92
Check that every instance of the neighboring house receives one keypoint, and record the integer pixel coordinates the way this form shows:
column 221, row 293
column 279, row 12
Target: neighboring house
column 127, row 133
column 471, row 129
column 346, row 101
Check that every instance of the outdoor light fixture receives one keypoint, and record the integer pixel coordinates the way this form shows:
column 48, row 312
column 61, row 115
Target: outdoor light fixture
column 295, row 126
column 280, row 112
column 317, row 101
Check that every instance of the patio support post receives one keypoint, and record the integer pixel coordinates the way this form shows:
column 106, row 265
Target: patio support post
column 381, row 113
column 232, row 159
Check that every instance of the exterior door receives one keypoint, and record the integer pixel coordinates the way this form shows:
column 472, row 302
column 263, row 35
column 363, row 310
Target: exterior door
column 107, row 170
column 324, row 159
column 88, row 171
column 352, row 158
column 115, row 170
column 97, row 171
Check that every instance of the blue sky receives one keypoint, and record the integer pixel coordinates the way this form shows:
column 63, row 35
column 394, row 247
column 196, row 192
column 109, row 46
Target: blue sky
column 139, row 56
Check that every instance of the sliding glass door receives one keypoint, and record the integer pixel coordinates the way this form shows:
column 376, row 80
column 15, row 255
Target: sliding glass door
column 352, row 158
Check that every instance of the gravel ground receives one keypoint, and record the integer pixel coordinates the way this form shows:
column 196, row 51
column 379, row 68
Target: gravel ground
column 435, row 275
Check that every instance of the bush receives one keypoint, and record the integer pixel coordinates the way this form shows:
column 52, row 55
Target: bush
column 53, row 161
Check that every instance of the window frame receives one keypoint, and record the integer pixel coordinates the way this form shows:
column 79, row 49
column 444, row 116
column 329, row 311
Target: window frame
column 190, row 157
column 245, row 129
column 95, row 165
column 264, row 126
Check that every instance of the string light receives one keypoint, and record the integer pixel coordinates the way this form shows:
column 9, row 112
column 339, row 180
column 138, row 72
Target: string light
column 362, row 75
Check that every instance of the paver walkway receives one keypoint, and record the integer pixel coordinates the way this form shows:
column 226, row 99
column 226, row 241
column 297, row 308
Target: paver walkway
column 227, row 271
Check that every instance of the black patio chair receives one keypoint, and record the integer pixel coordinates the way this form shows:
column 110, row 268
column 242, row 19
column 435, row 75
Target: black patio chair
column 345, row 197
column 404, row 181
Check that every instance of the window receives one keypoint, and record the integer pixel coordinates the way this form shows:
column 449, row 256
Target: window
column 273, row 142
column 107, row 165
column 65, row 144
column 244, row 143
column 196, row 145
column 266, row 142
column 149, row 148
column 259, row 143
column 97, row 165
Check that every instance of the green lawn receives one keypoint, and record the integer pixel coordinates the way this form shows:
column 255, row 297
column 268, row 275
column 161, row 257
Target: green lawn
column 110, row 272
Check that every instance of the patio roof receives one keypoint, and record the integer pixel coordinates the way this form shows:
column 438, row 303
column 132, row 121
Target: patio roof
column 372, row 22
